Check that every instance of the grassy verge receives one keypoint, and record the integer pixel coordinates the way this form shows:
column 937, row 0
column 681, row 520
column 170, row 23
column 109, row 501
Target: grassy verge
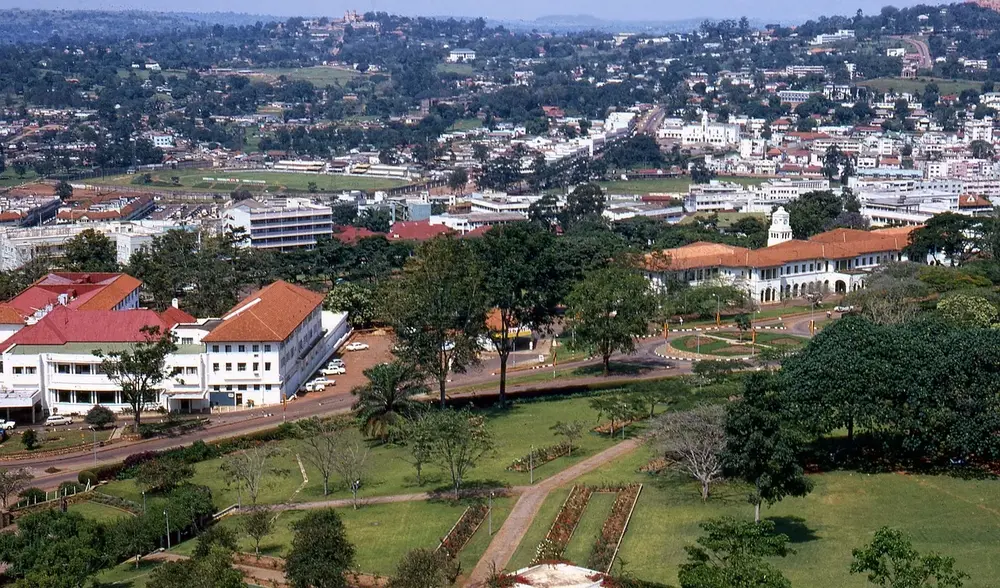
column 50, row 440
column 589, row 527
column 539, row 527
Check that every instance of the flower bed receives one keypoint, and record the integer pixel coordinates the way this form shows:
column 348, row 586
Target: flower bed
column 464, row 529
column 540, row 456
column 606, row 547
column 554, row 545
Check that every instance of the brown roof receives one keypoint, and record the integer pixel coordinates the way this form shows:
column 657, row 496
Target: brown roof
column 271, row 314
column 10, row 315
column 112, row 294
column 835, row 244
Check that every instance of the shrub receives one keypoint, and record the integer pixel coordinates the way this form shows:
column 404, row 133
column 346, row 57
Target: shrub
column 69, row 488
column 99, row 417
column 32, row 495
column 137, row 459
column 29, row 439
column 108, row 472
column 87, row 477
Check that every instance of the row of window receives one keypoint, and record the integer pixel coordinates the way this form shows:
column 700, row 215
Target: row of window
column 239, row 387
column 87, row 397
column 242, row 367
column 241, row 348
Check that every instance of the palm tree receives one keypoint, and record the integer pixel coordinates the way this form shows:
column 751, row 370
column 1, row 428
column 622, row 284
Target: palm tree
column 387, row 398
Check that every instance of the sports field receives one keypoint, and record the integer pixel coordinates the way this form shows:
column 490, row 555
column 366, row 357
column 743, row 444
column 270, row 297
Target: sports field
column 213, row 180
column 945, row 86
column 668, row 185
column 319, row 75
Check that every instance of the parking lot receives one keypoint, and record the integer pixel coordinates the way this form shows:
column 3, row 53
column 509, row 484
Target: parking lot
column 356, row 362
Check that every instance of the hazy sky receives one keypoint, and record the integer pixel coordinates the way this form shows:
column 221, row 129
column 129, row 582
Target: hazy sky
column 525, row 9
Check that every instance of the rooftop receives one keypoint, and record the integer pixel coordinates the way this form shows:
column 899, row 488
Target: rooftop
column 64, row 325
column 271, row 314
column 84, row 291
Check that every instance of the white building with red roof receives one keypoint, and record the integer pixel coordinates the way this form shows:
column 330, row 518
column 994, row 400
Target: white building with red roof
column 260, row 352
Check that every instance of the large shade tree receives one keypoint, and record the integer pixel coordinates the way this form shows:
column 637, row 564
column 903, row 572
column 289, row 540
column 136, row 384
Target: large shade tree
column 387, row 397
column 139, row 369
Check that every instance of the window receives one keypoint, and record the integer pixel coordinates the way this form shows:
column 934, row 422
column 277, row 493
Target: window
column 229, row 367
column 229, row 348
column 241, row 348
column 215, row 348
column 82, row 368
column 30, row 370
column 64, row 396
column 187, row 340
column 215, row 388
column 242, row 387
column 62, row 368
column 256, row 366
column 256, row 348
column 191, row 371
column 215, row 367
column 267, row 366
column 18, row 370
column 106, row 398
column 83, row 397
column 229, row 388
column 256, row 386
column 241, row 367
column 267, row 348
column 267, row 386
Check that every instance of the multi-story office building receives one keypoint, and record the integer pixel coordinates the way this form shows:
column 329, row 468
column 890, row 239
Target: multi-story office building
column 282, row 223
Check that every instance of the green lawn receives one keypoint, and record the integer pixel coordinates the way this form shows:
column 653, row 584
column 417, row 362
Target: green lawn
column 766, row 338
column 669, row 185
column 709, row 346
column 97, row 511
column 8, row 178
column 725, row 219
column 466, row 124
column 589, row 528
column 917, row 85
column 539, row 528
column 59, row 438
column 279, row 483
column 319, row 75
column 126, row 575
column 462, row 69
column 194, row 180
column 766, row 313
column 955, row 517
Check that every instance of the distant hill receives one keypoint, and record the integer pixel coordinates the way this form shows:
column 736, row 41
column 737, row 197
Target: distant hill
column 584, row 22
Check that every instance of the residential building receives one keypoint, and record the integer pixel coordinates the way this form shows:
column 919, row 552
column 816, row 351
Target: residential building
column 460, row 56
column 281, row 223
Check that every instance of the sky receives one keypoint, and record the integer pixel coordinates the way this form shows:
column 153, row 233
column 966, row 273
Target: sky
column 635, row 10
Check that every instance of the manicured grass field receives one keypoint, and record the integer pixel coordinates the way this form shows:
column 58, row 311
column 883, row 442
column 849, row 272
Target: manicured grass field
column 97, row 511
column 462, row 69
column 54, row 439
column 193, row 181
column 8, row 178
column 127, row 575
column 589, row 528
column 725, row 219
column 466, row 124
column 538, row 529
column 710, row 346
column 319, row 75
column 767, row 338
column 669, row 185
column 952, row 516
column 945, row 86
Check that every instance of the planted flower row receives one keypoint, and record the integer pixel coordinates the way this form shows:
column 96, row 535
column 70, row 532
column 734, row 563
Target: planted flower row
column 603, row 554
column 540, row 456
column 554, row 545
column 464, row 529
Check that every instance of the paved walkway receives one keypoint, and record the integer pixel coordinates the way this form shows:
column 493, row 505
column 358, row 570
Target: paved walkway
column 507, row 539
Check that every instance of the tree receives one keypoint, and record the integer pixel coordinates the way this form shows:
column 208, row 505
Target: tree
column 653, row 394
column 163, row 474
column 761, row 447
column 616, row 407
column 29, row 439
column 700, row 174
column 320, row 555
column 812, row 212
column 518, row 283
column 131, row 537
column 387, row 397
column 99, row 417
column 53, row 548
column 981, row 149
column 248, row 469
column 694, row 441
column 350, row 460
column 139, row 368
column 91, row 251
column 356, row 299
column 571, row 431
column 64, row 190
column 419, row 436
column 458, row 179
column 12, row 482
column 20, row 168
column 461, row 440
column 967, row 310
column 890, row 561
column 377, row 220
column 241, row 194
column 585, row 202
column 544, row 212
column 423, row 568
column 948, row 233
column 732, row 554
column 214, row 570
column 743, row 323
column 438, row 310
column 258, row 523
column 608, row 310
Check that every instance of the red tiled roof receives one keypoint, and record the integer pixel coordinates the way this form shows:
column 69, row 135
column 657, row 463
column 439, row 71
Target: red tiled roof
column 973, row 201
column 173, row 316
column 350, row 235
column 416, row 231
column 271, row 314
column 65, row 325
column 10, row 315
column 86, row 291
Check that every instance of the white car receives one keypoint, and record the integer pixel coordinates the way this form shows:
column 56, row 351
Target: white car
column 7, row 425
column 333, row 370
column 318, row 385
column 356, row 346
column 843, row 309
column 336, row 362
column 58, row 419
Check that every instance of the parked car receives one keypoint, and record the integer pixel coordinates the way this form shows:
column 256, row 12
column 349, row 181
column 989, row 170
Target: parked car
column 319, row 384
column 58, row 419
column 336, row 362
column 843, row 309
column 7, row 425
column 356, row 346
column 333, row 370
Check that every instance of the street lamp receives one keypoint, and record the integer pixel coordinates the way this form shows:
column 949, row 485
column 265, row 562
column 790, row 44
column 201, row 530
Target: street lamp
column 143, row 502
column 531, row 465
column 490, row 529
column 167, row 515
column 94, row 429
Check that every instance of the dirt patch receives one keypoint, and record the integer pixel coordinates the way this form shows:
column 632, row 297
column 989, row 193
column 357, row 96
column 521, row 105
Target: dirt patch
column 785, row 341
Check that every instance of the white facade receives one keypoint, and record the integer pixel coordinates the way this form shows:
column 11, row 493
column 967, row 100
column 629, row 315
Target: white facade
column 781, row 228
column 284, row 224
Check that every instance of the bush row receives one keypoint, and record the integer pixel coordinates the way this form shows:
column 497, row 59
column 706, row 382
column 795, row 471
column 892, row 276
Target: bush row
column 540, row 456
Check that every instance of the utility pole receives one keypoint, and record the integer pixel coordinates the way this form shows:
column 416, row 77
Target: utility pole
column 167, row 515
